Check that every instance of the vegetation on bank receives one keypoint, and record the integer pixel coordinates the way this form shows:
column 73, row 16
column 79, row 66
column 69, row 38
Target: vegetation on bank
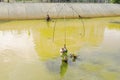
column 116, row 1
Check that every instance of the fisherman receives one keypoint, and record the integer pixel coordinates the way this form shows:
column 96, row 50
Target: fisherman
column 48, row 18
column 74, row 57
column 63, row 50
column 79, row 16
column 63, row 53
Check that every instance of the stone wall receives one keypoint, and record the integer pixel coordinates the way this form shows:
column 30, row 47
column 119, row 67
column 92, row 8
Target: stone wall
column 56, row 10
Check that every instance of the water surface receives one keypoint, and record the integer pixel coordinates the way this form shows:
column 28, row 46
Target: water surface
column 29, row 49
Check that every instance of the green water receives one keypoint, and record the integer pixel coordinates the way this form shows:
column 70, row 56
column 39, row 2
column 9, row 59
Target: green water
column 29, row 49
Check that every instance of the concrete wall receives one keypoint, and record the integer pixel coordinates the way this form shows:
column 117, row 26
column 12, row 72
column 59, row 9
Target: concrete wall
column 56, row 10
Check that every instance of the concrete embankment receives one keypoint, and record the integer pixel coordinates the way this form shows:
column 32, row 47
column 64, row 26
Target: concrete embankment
column 56, row 10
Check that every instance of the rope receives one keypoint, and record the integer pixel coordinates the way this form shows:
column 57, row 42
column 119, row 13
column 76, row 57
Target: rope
column 49, row 9
column 54, row 26
column 65, row 29
column 79, row 17
column 54, row 30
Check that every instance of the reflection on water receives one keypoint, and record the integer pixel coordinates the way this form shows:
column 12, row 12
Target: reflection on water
column 28, row 52
column 63, row 68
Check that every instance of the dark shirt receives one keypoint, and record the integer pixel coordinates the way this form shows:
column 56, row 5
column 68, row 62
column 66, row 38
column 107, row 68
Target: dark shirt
column 48, row 18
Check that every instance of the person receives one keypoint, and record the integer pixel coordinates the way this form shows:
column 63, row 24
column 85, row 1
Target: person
column 63, row 53
column 74, row 57
column 79, row 16
column 48, row 18
column 63, row 50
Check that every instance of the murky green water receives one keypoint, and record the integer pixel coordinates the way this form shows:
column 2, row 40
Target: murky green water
column 28, row 50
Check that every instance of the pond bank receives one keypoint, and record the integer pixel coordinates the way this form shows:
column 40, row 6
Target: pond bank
column 56, row 10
